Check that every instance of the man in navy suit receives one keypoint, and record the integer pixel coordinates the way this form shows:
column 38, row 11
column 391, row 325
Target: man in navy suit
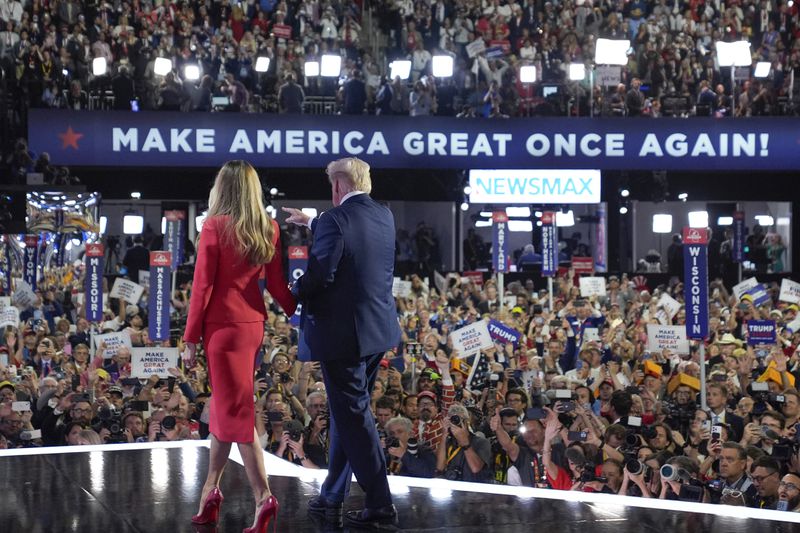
column 348, row 322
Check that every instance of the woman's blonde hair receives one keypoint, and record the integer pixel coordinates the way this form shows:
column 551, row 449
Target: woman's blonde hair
column 237, row 193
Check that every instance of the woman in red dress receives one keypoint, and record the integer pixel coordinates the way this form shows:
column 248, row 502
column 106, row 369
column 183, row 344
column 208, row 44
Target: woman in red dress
column 238, row 245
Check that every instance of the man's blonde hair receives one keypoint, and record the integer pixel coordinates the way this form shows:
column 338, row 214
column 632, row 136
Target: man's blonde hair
column 353, row 170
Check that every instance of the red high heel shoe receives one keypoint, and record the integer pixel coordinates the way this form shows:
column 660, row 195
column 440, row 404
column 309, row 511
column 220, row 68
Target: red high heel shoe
column 210, row 512
column 269, row 510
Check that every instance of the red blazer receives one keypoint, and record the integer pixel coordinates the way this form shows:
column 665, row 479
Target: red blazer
column 225, row 286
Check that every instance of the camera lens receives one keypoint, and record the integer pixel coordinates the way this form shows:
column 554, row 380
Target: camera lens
column 669, row 473
column 634, row 466
column 632, row 440
column 455, row 420
column 169, row 422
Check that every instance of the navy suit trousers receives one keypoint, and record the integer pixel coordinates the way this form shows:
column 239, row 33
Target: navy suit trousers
column 354, row 444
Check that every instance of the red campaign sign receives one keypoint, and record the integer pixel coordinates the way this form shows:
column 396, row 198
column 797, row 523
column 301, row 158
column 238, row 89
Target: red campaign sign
column 298, row 252
column 31, row 241
column 499, row 216
column 160, row 258
column 695, row 236
column 174, row 216
column 548, row 217
column 94, row 250
column 282, row 31
column 583, row 265
column 475, row 276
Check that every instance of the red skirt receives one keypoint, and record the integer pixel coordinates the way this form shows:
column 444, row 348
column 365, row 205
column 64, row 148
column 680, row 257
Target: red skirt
column 231, row 352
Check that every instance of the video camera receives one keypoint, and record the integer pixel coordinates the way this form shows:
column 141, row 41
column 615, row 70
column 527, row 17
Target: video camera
column 111, row 419
column 762, row 398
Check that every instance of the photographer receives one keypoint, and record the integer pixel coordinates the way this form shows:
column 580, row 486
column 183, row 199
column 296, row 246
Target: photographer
column 525, row 453
column 316, row 432
column 463, row 455
column 407, row 456
column 679, row 480
column 509, row 425
column 292, row 445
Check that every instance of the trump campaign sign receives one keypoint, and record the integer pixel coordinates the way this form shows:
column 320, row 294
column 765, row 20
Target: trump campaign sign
column 93, row 299
column 159, row 297
column 503, row 333
column 761, row 332
column 695, row 261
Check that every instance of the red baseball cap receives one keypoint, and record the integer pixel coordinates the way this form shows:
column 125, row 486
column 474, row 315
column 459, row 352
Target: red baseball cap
column 385, row 363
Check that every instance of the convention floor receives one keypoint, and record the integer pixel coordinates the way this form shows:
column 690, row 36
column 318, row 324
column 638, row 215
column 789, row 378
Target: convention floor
column 145, row 488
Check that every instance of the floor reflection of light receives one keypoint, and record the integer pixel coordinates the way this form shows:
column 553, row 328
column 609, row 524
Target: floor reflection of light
column 159, row 467
column 97, row 467
column 190, row 471
column 441, row 493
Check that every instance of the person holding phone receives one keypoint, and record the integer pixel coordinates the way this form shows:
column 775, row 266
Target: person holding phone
column 238, row 245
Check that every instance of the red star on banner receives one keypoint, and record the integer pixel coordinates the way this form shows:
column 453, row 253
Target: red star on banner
column 69, row 138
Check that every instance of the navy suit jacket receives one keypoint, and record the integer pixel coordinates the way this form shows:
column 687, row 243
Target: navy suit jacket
column 346, row 291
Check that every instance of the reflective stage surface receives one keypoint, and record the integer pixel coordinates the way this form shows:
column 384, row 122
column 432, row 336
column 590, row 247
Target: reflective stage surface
column 157, row 490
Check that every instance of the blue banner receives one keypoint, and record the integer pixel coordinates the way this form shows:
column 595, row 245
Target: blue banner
column 549, row 244
column 173, row 139
column 159, row 296
column 499, row 244
column 738, row 237
column 31, row 260
column 5, row 266
column 759, row 294
column 695, row 261
column 93, row 300
column 761, row 332
column 298, row 261
column 174, row 236
column 503, row 333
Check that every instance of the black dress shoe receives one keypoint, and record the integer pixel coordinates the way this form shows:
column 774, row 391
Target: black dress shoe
column 320, row 505
column 372, row 517
column 331, row 513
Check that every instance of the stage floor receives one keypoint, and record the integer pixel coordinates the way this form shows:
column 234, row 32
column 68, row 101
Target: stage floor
column 155, row 488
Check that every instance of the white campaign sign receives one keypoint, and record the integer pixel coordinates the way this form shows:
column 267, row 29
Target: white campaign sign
column 672, row 338
column 9, row 316
column 592, row 286
column 127, row 290
column 743, row 287
column 23, row 295
column 5, row 301
column 794, row 325
column 669, row 304
column 144, row 278
column 591, row 335
column 114, row 341
column 790, row 291
column 156, row 361
column 400, row 288
column 471, row 339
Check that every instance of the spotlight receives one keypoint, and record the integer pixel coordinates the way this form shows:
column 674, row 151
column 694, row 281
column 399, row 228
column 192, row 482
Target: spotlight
column 683, row 196
column 520, row 225
column 311, row 69
column 442, row 66
column 527, row 74
column 132, row 224
column 162, row 66
column 262, row 64
column 698, row 219
column 464, row 206
column 331, row 65
column 400, row 68
column 136, row 195
column 198, row 222
column 624, row 193
column 735, row 54
column 611, row 51
column 467, row 190
column 191, row 72
column 577, row 71
column 623, row 210
column 762, row 69
column 273, row 191
column 99, row 66
column 524, row 212
column 725, row 221
column 662, row 223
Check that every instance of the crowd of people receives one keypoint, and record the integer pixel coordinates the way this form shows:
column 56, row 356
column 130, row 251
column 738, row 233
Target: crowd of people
column 577, row 402
column 47, row 51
